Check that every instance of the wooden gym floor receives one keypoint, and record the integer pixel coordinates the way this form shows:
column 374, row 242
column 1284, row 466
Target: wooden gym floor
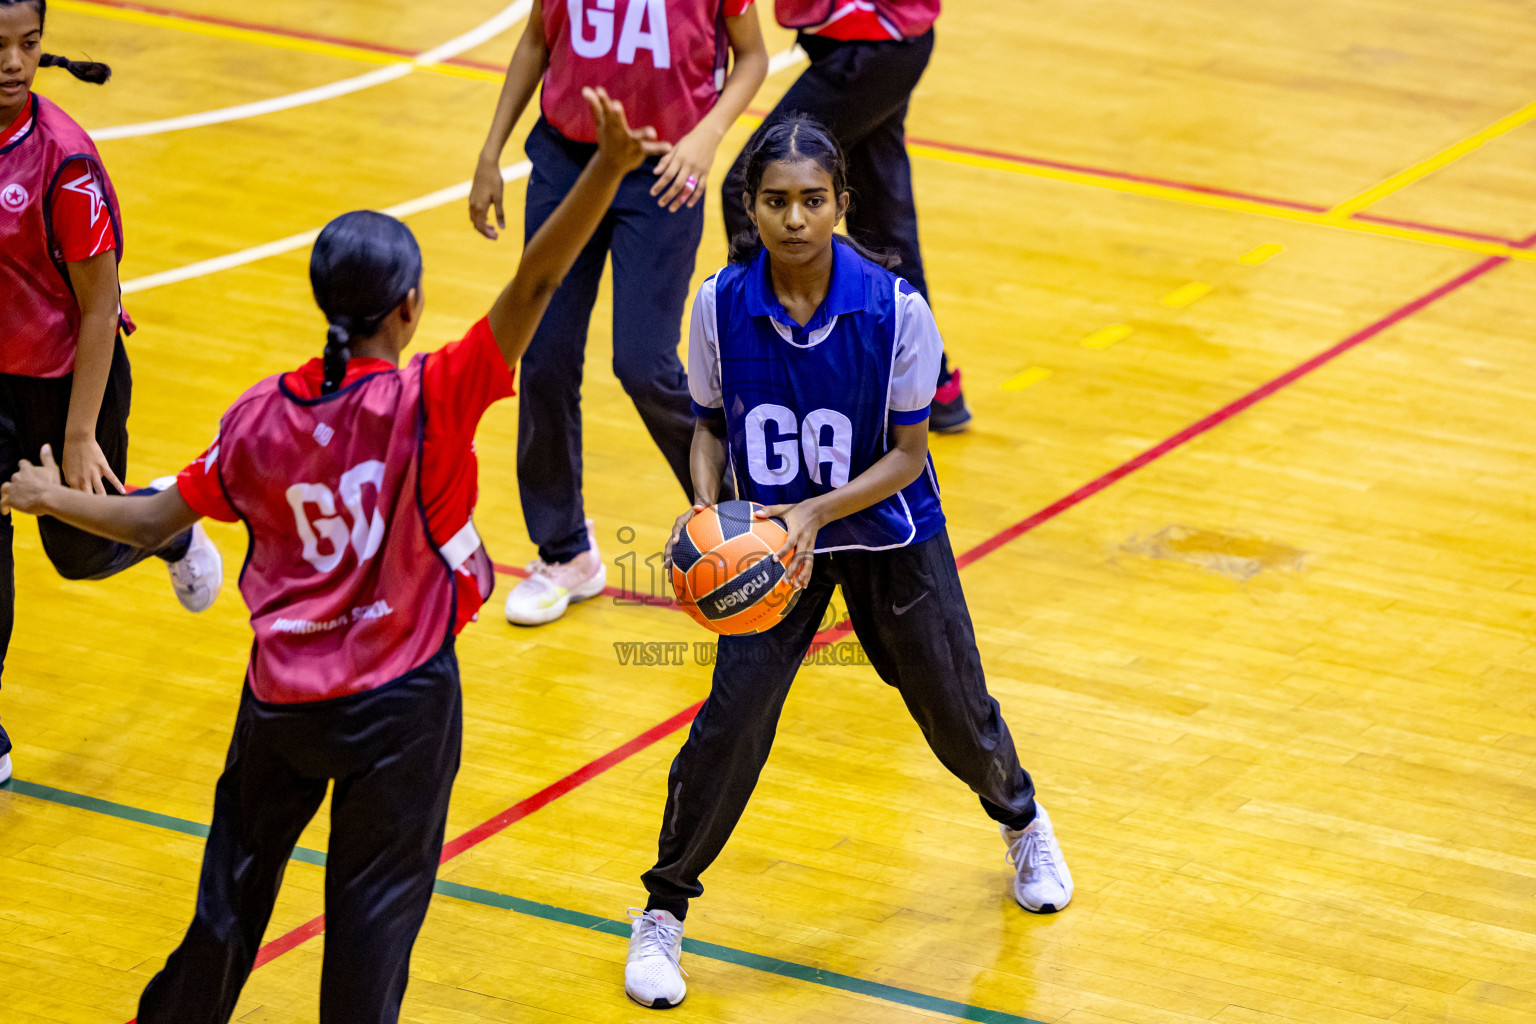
column 1242, row 294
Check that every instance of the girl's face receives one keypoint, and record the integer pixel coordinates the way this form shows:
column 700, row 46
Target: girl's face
column 21, row 46
column 796, row 211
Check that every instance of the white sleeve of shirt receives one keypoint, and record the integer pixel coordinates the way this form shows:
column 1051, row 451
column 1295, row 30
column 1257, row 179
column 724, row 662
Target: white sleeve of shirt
column 915, row 374
column 704, row 350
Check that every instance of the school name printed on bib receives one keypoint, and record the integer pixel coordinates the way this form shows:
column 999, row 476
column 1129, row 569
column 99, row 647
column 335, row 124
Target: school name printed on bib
column 376, row 610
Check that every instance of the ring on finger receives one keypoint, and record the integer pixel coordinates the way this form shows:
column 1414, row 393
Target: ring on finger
column 692, row 182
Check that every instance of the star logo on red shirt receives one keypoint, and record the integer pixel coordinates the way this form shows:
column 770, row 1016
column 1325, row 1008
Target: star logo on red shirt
column 87, row 185
column 14, row 198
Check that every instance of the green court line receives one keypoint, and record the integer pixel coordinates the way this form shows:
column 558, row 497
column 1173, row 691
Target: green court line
column 560, row 915
column 116, row 810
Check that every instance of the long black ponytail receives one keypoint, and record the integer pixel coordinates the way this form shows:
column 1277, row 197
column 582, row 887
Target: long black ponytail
column 91, row 71
column 793, row 138
column 363, row 267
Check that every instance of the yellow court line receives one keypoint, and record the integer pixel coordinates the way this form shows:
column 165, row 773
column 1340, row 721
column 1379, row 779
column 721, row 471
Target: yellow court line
column 1424, row 168
column 263, row 38
column 1218, row 202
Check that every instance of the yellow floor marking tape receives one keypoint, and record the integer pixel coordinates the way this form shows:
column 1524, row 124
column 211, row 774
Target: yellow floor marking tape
column 1030, row 377
column 1261, row 254
column 1105, row 337
column 1187, row 293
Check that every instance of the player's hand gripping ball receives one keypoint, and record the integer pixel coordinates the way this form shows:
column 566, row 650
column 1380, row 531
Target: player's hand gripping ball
column 726, row 571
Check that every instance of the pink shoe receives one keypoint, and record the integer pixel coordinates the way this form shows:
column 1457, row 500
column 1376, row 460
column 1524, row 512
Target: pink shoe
column 550, row 589
column 949, row 414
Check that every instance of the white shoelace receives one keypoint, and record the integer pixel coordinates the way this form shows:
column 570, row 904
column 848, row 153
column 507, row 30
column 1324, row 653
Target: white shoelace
column 1032, row 850
column 657, row 937
column 186, row 570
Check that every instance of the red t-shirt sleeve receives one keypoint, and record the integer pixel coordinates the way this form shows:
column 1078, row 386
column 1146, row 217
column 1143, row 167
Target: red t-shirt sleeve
column 200, row 488
column 459, row 383
column 736, row 8
column 82, row 216
column 463, row 379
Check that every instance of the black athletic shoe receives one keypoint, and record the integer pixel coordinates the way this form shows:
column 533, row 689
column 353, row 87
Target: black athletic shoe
column 948, row 414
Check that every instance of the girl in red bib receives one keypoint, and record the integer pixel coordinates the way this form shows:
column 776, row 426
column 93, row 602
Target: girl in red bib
column 64, row 376
column 356, row 480
column 667, row 60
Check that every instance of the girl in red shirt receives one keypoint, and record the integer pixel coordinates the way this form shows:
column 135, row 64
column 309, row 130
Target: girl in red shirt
column 667, row 61
column 64, row 376
column 356, row 480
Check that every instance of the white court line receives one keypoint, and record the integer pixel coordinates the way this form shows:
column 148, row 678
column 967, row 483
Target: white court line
column 778, row 62
column 509, row 16
column 785, row 59
column 203, row 268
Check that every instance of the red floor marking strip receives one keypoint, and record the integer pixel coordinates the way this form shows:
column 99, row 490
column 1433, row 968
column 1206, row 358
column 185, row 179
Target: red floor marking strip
column 1211, row 190
column 1099, row 172
column 1474, row 236
column 1229, row 410
column 277, row 947
column 523, row 808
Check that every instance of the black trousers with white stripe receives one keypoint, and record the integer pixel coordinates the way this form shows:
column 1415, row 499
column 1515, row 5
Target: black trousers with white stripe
column 908, row 611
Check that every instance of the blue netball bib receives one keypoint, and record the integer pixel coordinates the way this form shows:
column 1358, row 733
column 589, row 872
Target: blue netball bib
column 807, row 409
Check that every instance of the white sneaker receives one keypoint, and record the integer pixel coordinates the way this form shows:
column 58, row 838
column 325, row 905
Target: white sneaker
column 1043, row 884
column 5, row 769
column 199, row 575
column 653, row 977
column 550, row 589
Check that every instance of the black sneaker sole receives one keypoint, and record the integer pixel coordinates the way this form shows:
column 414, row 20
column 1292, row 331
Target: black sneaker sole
column 660, row 1004
column 957, row 427
column 949, row 417
column 1045, row 908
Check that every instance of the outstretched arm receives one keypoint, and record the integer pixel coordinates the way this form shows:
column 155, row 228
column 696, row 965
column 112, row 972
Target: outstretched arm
column 145, row 522
column 552, row 251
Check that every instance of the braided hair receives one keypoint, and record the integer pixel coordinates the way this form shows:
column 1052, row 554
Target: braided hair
column 791, row 139
column 363, row 267
column 91, row 71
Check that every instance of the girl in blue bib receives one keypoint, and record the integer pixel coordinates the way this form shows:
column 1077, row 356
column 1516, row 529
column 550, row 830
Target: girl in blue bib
column 812, row 370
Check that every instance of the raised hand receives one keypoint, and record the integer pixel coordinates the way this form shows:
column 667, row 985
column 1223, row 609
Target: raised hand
column 622, row 146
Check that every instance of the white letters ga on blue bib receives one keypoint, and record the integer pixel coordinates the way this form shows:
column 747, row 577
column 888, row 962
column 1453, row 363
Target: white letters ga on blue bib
column 809, row 408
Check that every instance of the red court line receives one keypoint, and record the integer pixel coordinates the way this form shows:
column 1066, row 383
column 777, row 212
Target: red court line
column 520, row 810
column 1472, row 236
column 1231, row 409
column 281, row 30
column 1210, row 190
column 1099, row 172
